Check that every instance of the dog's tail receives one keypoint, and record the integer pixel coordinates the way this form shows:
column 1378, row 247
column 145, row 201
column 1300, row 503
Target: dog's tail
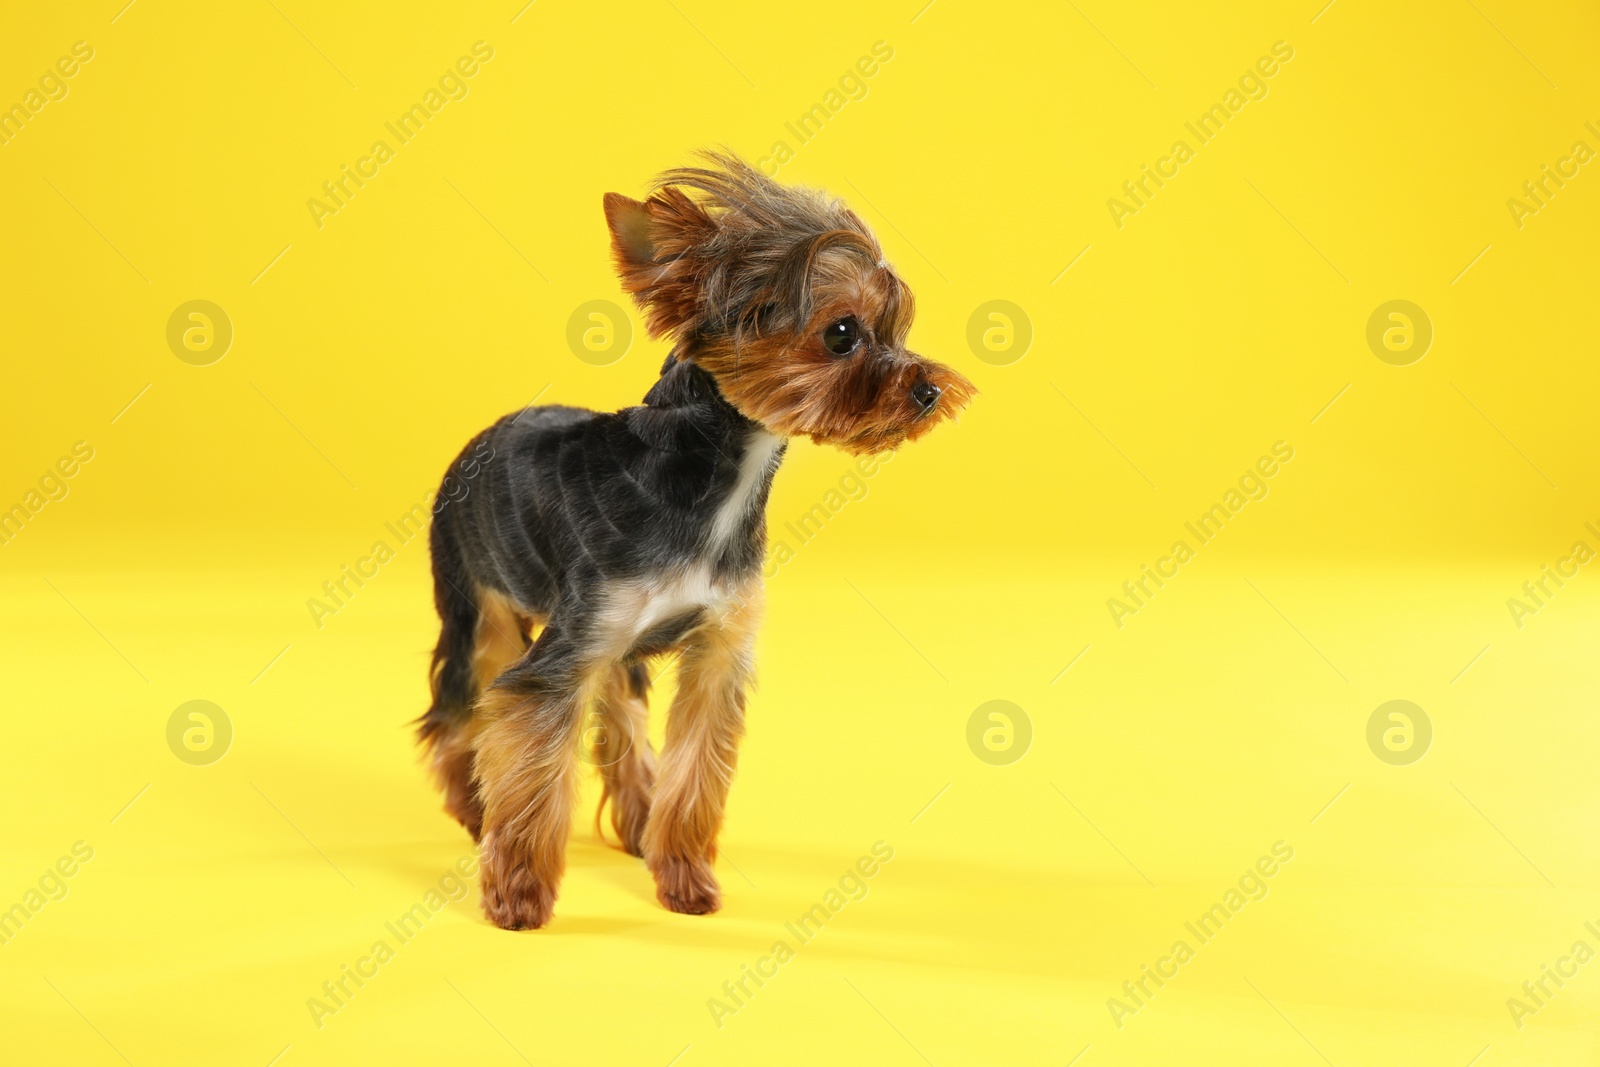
column 450, row 675
column 445, row 728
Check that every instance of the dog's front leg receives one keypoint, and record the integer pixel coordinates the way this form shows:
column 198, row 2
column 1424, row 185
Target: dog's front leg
column 524, row 754
column 697, row 761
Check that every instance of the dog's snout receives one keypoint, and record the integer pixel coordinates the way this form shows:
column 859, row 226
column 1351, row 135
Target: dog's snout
column 925, row 394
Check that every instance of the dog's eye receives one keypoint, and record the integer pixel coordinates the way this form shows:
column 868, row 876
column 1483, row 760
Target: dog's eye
column 842, row 337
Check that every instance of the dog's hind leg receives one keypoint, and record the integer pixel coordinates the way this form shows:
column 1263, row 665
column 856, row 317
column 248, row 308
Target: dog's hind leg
column 619, row 744
column 525, row 750
column 480, row 635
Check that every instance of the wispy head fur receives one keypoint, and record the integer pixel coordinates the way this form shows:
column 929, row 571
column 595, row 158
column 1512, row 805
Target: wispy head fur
column 744, row 274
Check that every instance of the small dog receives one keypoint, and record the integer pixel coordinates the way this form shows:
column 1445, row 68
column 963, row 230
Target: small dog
column 641, row 533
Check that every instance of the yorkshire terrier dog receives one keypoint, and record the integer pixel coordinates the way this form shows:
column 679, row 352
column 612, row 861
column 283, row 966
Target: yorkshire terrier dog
column 622, row 536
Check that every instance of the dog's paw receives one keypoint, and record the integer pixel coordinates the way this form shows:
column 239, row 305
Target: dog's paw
column 686, row 888
column 525, row 909
column 514, row 898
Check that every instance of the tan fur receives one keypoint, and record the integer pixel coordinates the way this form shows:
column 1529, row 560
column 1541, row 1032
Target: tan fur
column 452, row 770
column 784, row 298
column 500, row 639
column 746, row 274
column 621, row 749
column 525, row 750
column 697, row 761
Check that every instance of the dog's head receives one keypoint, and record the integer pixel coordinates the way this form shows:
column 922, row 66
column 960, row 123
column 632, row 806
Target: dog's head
column 784, row 296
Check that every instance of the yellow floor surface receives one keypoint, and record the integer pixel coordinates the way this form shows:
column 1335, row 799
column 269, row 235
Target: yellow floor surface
column 1164, row 766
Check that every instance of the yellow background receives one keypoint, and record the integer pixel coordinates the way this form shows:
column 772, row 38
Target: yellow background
column 1223, row 717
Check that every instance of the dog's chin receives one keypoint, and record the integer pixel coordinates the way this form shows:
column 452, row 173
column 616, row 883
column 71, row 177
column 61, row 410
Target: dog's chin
column 879, row 437
column 867, row 444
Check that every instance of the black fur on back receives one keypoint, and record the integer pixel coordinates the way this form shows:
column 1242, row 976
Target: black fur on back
column 573, row 500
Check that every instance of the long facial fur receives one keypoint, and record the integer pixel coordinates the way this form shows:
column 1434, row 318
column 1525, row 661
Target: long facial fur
column 744, row 274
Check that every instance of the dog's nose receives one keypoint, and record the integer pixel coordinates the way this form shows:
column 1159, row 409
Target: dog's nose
column 926, row 395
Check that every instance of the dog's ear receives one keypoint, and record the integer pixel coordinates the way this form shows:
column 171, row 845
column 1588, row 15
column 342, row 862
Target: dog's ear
column 629, row 220
column 653, row 243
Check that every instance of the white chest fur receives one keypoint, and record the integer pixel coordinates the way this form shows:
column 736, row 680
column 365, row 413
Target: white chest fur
column 634, row 608
column 760, row 453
